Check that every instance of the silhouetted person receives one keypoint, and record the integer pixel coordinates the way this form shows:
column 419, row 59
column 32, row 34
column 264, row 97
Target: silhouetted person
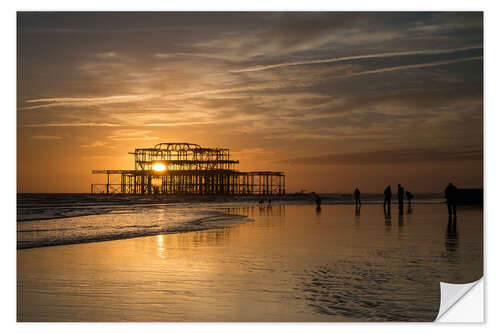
column 401, row 196
column 357, row 196
column 450, row 193
column 317, row 199
column 269, row 202
column 387, row 199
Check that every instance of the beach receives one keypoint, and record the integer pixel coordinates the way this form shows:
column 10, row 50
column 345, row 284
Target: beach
column 279, row 262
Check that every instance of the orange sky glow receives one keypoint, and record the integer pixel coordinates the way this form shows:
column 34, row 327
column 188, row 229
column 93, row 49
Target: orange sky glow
column 335, row 100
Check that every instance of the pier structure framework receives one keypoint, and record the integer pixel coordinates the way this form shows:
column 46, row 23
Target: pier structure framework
column 187, row 168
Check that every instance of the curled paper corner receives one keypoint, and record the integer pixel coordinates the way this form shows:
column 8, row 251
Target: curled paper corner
column 461, row 302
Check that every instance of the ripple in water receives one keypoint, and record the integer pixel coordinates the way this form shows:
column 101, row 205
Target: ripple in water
column 369, row 292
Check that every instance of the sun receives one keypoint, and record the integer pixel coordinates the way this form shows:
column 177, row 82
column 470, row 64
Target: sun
column 159, row 167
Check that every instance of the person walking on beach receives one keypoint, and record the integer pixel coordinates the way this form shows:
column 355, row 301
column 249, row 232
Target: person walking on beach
column 387, row 199
column 317, row 199
column 357, row 196
column 401, row 195
column 450, row 193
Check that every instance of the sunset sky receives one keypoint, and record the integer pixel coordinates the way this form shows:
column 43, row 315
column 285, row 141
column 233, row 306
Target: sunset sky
column 335, row 100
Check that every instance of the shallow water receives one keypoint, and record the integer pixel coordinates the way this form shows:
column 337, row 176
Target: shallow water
column 120, row 223
column 293, row 263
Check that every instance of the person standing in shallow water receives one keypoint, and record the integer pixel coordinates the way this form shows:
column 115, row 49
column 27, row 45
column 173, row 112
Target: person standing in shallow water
column 387, row 199
column 450, row 193
column 357, row 197
column 401, row 197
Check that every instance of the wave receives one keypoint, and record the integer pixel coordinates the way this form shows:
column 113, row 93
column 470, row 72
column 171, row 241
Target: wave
column 105, row 227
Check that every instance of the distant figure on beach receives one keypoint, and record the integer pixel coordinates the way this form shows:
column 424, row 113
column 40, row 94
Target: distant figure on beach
column 450, row 193
column 357, row 196
column 401, row 195
column 387, row 199
column 409, row 196
column 317, row 199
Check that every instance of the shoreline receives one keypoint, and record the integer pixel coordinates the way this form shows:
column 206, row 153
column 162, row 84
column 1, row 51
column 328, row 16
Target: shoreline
column 125, row 202
column 40, row 206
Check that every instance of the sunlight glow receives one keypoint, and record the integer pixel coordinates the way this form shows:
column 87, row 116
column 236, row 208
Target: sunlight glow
column 159, row 167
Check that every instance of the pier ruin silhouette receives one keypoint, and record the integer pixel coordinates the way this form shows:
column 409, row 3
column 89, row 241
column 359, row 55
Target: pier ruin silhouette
column 187, row 168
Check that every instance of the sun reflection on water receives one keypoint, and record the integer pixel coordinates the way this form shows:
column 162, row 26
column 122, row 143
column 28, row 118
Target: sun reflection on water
column 160, row 240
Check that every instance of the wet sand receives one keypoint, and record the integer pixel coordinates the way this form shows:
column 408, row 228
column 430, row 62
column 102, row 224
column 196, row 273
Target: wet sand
column 293, row 263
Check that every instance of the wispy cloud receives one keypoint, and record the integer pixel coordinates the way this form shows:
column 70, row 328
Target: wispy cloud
column 70, row 124
column 94, row 144
column 184, row 55
column 98, row 157
column 85, row 99
column 252, row 152
column 398, row 68
column 222, row 91
column 180, row 123
column 79, row 101
column 300, row 83
column 106, row 55
column 358, row 57
column 46, row 137
column 388, row 157
column 131, row 135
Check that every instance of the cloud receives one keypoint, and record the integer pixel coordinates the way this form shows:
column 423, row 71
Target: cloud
column 366, row 56
column 131, row 135
column 94, row 144
column 421, row 101
column 253, row 151
column 106, row 55
column 184, row 55
column 70, row 124
column 46, row 137
column 279, row 34
column 286, row 33
column 388, row 157
column 398, row 68
column 83, row 101
column 180, row 123
column 98, row 157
